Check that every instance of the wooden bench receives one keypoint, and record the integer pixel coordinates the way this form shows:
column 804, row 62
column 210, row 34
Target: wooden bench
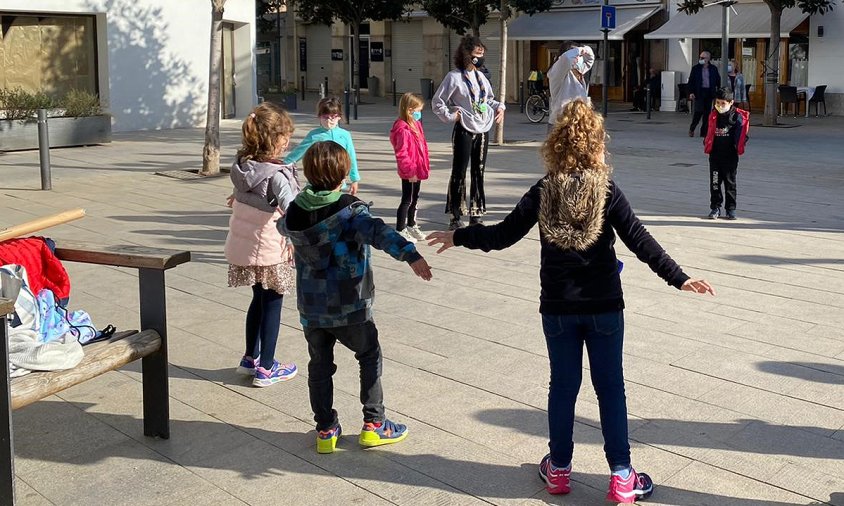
column 149, row 345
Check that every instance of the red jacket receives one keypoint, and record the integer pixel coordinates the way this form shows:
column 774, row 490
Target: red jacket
column 411, row 150
column 739, row 134
column 43, row 269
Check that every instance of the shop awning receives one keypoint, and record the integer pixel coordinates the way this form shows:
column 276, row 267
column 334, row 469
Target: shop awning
column 749, row 21
column 577, row 24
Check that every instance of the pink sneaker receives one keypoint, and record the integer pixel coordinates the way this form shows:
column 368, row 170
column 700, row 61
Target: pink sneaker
column 556, row 478
column 637, row 486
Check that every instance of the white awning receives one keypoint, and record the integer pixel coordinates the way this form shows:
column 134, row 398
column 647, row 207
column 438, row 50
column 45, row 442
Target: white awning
column 577, row 24
column 749, row 21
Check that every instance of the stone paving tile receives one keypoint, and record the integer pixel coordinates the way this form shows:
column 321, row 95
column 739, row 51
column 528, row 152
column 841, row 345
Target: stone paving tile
column 465, row 363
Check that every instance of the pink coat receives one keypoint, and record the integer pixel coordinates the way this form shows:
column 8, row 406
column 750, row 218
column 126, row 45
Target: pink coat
column 253, row 238
column 411, row 150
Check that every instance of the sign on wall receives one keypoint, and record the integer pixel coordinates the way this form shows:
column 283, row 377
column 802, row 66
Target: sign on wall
column 336, row 55
column 376, row 51
column 303, row 54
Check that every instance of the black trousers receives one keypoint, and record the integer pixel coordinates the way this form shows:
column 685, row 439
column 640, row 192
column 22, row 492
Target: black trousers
column 406, row 213
column 703, row 104
column 469, row 149
column 362, row 339
column 722, row 172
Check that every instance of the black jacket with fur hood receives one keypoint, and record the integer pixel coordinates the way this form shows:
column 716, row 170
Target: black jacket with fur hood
column 578, row 217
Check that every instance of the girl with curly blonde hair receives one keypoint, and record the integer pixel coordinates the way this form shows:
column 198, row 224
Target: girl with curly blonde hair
column 580, row 209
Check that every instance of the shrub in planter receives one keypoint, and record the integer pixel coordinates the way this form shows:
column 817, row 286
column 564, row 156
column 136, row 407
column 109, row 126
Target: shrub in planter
column 75, row 120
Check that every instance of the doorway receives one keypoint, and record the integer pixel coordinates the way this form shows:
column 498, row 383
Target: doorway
column 228, row 79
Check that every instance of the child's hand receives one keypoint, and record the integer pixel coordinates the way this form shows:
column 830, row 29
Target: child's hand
column 499, row 115
column 353, row 189
column 444, row 238
column 422, row 269
column 230, row 200
column 698, row 286
column 457, row 116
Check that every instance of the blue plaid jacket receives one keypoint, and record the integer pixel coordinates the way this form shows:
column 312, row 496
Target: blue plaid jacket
column 334, row 284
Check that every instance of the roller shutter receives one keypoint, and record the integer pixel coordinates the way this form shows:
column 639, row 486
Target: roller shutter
column 319, row 55
column 408, row 56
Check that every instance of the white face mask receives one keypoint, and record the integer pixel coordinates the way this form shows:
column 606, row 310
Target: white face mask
column 722, row 108
column 729, row 68
column 702, row 61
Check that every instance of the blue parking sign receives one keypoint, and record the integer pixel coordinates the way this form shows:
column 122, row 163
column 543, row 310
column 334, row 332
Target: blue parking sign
column 608, row 17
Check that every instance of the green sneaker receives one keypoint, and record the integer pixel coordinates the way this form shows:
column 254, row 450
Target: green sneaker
column 326, row 440
column 382, row 433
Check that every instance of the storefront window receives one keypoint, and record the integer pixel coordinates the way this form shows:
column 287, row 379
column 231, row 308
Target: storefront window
column 53, row 54
column 798, row 57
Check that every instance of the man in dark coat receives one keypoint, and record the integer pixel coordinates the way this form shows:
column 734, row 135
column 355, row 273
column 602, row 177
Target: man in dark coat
column 704, row 79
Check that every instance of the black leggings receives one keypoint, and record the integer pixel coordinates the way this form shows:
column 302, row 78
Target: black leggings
column 468, row 148
column 406, row 214
column 262, row 322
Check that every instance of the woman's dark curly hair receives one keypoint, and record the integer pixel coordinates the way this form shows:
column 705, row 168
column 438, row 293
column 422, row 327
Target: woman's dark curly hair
column 463, row 53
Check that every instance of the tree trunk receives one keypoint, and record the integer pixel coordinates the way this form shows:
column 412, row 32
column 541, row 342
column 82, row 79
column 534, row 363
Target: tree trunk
column 211, row 151
column 476, row 23
column 772, row 67
column 502, row 70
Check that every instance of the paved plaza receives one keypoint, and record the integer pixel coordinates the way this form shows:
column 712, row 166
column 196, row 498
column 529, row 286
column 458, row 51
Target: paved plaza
column 734, row 400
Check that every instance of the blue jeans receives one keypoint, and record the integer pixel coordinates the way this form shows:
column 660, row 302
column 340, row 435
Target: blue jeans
column 603, row 335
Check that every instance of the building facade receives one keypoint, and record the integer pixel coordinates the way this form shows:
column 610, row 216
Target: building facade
column 146, row 59
column 648, row 34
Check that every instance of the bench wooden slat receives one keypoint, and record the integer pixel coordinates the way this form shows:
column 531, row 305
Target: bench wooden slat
column 99, row 358
column 7, row 307
column 121, row 256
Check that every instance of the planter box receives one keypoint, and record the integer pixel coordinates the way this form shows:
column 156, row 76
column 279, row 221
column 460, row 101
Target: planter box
column 63, row 132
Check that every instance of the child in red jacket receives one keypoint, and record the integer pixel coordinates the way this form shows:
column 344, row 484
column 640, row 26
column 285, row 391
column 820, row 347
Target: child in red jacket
column 724, row 142
column 414, row 166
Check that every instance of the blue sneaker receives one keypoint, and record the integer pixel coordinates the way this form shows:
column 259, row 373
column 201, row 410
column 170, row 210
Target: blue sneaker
column 279, row 372
column 247, row 366
column 326, row 440
column 382, row 433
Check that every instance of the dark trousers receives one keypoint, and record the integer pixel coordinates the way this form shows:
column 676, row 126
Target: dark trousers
column 469, row 150
column 262, row 321
column 703, row 105
column 722, row 172
column 361, row 339
column 603, row 335
column 406, row 214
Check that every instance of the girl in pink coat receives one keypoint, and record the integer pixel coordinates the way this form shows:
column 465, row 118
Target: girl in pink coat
column 414, row 166
column 258, row 255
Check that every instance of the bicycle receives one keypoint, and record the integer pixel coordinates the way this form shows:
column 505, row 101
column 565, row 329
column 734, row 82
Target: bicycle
column 536, row 106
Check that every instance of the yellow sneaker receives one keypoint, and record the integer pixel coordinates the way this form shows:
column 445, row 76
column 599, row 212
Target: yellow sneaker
column 382, row 433
column 326, row 440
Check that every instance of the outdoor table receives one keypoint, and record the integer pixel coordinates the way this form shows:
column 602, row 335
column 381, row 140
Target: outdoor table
column 807, row 91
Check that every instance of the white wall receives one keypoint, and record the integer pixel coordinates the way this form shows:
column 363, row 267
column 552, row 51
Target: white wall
column 153, row 56
column 826, row 54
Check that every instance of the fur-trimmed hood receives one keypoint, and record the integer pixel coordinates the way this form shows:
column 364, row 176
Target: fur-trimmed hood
column 571, row 210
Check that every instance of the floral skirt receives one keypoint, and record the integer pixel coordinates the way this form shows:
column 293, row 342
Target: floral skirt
column 280, row 277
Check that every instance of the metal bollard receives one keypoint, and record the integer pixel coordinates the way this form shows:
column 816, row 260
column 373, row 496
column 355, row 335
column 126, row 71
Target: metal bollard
column 326, row 86
column 355, row 106
column 346, row 103
column 522, row 98
column 394, row 92
column 44, row 150
column 321, row 91
column 302, row 79
column 648, row 101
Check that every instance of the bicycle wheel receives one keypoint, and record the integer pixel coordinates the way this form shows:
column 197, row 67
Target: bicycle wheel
column 535, row 109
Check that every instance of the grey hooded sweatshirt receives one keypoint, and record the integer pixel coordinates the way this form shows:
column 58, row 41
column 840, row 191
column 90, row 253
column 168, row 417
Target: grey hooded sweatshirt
column 265, row 185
